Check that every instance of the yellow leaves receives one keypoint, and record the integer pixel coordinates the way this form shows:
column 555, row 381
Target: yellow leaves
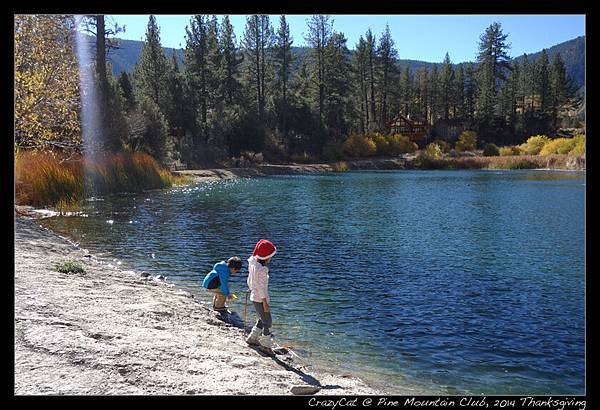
column 46, row 80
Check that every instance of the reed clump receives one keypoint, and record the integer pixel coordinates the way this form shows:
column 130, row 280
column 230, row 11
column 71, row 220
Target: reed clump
column 55, row 179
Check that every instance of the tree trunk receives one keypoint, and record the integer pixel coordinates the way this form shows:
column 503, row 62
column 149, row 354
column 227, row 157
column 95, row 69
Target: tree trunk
column 102, row 80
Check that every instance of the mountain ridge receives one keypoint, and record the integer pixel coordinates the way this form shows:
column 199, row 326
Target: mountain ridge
column 572, row 51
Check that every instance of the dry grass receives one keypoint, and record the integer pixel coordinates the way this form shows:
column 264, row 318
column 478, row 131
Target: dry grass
column 340, row 166
column 512, row 162
column 46, row 178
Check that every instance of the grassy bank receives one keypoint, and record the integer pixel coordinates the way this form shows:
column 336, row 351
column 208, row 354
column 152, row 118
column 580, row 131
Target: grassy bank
column 47, row 178
column 503, row 162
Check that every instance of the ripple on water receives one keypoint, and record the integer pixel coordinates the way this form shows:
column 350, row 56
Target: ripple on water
column 442, row 281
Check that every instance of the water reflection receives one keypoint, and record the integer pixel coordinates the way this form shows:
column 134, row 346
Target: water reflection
column 445, row 281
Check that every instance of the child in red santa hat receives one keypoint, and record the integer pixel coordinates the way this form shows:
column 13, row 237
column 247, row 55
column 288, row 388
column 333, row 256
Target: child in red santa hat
column 258, row 283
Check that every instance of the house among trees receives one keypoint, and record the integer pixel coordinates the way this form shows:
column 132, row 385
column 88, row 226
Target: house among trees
column 448, row 129
column 417, row 130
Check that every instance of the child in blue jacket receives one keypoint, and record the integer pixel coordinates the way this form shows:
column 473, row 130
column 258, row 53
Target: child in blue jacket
column 217, row 279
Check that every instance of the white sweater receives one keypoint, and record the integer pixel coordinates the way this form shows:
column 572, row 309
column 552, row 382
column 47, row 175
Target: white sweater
column 258, row 280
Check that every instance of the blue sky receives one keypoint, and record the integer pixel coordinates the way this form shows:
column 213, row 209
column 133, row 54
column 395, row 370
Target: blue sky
column 417, row 37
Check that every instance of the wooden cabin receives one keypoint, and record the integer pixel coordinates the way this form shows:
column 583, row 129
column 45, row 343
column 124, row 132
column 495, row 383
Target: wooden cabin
column 417, row 130
column 448, row 130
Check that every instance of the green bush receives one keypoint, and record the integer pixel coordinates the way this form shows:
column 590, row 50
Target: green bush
column 579, row 148
column 382, row 144
column 400, row 144
column 534, row 145
column 491, row 150
column 155, row 139
column 303, row 158
column 558, row 146
column 467, row 141
column 425, row 160
column 445, row 147
column 333, row 151
column 434, row 151
column 359, row 145
column 70, row 267
column 509, row 150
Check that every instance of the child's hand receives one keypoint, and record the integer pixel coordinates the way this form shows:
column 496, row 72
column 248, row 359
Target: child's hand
column 265, row 306
column 232, row 297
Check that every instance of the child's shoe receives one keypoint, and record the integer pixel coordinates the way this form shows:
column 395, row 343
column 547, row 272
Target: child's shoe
column 252, row 338
column 266, row 341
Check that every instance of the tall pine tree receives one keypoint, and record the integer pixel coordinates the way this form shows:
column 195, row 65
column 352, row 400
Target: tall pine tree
column 388, row 75
column 151, row 72
column 283, row 66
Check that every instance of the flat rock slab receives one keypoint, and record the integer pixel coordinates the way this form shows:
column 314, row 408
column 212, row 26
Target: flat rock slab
column 113, row 333
column 304, row 390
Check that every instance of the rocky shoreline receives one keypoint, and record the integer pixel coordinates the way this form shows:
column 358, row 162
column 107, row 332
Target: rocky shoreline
column 116, row 332
column 406, row 162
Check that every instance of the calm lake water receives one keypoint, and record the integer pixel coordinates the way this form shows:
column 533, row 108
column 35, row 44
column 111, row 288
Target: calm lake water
column 440, row 281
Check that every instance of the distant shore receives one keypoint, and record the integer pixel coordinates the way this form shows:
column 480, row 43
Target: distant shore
column 407, row 162
column 112, row 331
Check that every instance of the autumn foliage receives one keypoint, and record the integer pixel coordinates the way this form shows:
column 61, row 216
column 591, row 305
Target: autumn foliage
column 48, row 178
column 46, row 80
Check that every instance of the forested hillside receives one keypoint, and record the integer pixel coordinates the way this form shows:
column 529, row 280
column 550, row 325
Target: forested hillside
column 572, row 52
column 224, row 95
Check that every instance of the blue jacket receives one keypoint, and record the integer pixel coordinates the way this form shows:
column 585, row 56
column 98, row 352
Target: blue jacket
column 222, row 270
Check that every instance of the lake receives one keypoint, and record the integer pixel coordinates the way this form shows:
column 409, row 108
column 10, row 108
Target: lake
column 447, row 282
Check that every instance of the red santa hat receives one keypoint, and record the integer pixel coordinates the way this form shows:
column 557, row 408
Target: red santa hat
column 264, row 249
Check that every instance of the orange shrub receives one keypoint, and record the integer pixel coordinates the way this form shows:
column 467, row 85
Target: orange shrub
column 359, row 145
column 45, row 178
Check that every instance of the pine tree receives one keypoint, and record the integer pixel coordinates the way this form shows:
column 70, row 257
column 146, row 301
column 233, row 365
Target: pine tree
column 386, row 56
column 283, row 66
column 115, row 125
column 458, row 93
column 406, row 91
column 127, row 89
column 213, row 66
column 102, row 78
column 360, row 61
column 319, row 34
column 337, row 86
column 371, row 76
column 532, row 75
column 563, row 94
column 229, row 63
column 196, row 67
column 493, row 55
column 492, row 70
column 542, row 82
column 485, row 103
column 301, row 85
column 524, row 82
column 446, row 82
column 258, row 42
column 109, row 130
column 470, row 92
column 508, row 97
column 175, row 114
column 434, row 95
column 151, row 72
column 422, row 93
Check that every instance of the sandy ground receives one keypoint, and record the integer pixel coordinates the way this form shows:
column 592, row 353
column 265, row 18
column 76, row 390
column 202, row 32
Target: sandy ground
column 114, row 332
